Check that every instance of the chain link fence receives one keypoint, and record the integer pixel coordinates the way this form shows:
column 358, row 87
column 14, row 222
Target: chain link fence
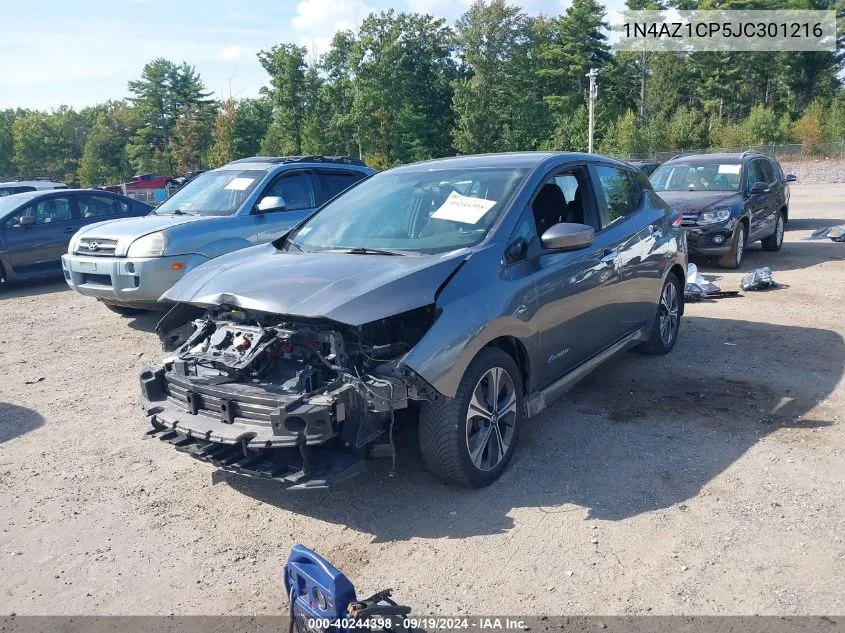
column 784, row 152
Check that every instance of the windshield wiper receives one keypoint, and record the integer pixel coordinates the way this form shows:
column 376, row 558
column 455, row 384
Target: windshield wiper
column 363, row 250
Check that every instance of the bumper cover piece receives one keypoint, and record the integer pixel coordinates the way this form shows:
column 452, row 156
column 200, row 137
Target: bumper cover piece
column 300, row 468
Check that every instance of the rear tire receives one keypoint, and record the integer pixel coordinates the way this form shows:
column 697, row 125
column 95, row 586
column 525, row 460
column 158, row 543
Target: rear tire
column 122, row 310
column 734, row 258
column 469, row 439
column 667, row 322
column 775, row 240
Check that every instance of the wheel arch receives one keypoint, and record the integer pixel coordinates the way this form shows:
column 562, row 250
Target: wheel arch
column 746, row 220
column 516, row 349
column 679, row 271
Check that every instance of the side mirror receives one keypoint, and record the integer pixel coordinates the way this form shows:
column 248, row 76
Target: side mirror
column 270, row 203
column 27, row 221
column 789, row 178
column 759, row 187
column 567, row 236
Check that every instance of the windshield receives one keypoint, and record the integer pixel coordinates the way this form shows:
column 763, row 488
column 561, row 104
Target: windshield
column 219, row 192
column 412, row 211
column 10, row 203
column 698, row 177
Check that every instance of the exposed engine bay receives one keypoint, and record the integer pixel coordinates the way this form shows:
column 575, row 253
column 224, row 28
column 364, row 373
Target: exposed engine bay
column 257, row 393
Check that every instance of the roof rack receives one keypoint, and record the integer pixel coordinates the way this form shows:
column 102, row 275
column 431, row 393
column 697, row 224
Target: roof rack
column 278, row 160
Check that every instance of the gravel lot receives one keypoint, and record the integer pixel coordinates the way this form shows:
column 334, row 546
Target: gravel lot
column 816, row 171
column 710, row 481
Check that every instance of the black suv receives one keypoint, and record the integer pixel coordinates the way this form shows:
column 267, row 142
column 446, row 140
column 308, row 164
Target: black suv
column 728, row 201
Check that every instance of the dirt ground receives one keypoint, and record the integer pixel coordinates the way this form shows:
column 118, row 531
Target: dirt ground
column 709, row 481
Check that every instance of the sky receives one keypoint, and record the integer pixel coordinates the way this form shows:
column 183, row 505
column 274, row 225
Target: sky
column 83, row 52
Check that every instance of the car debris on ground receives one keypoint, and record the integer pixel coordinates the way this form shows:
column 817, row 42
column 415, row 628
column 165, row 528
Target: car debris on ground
column 760, row 279
column 698, row 288
column 836, row 233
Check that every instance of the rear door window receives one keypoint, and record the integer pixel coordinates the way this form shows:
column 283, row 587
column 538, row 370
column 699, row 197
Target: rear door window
column 96, row 206
column 333, row 182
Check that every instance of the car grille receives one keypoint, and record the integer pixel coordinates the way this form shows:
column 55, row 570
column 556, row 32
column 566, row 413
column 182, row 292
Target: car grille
column 209, row 404
column 690, row 219
column 99, row 247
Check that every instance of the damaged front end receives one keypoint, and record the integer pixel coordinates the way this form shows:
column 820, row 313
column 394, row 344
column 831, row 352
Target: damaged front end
column 301, row 400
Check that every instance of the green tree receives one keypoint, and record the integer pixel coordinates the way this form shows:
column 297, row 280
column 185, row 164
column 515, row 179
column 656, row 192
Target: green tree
column 685, row 128
column 810, row 127
column 576, row 43
column 252, row 118
column 164, row 92
column 104, row 159
column 403, row 69
column 337, row 96
column 624, row 137
column 49, row 144
column 497, row 107
column 222, row 147
column 7, row 145
column 191, row 139
column 286, row 66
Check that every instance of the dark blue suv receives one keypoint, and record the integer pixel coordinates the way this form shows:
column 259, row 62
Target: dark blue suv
column 728, row 201
column 36, row 227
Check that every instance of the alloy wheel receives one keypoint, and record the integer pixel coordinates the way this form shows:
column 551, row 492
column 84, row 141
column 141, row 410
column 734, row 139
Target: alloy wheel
column 740, row 244
column 670, row 313
column 779, row 231
column 491, row 419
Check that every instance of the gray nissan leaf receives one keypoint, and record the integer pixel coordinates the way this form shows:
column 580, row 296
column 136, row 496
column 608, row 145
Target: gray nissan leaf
column 463, row 295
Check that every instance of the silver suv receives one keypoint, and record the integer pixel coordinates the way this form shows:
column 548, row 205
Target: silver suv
column 128, row 264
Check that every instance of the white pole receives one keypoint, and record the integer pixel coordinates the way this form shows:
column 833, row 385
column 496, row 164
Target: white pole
column 592, row 104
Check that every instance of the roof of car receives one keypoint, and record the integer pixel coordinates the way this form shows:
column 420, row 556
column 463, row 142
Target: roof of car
column 698, row 159
column 29, row 195
column 506, row 159
column 266, row 162
column 46, row 185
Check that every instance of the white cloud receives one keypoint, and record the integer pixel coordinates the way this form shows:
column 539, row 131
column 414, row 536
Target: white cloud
column 316, row 21
column 231, row 53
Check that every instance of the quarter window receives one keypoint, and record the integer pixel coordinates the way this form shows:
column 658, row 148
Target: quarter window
column 618, row 193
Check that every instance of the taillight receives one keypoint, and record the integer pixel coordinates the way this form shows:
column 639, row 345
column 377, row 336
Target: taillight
column 675, row 218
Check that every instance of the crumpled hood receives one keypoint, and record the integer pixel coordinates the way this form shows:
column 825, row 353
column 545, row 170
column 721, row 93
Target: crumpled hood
column 698, row 201
column 127, row 230
column 351, row 289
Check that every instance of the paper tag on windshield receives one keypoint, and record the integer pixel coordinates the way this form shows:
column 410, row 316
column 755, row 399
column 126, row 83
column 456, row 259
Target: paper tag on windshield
column 464, row 209
column 239, row 184
column 729, row 169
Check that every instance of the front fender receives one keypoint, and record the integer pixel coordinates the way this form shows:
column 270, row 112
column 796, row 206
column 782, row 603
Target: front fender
column 479, row 304
column 223, row 246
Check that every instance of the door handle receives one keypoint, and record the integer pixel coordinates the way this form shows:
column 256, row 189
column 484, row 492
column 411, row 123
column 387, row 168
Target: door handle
column 72, row 229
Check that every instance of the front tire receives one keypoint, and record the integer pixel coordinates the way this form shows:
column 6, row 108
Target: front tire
column 667, row 323
column 734, row 258
column 775, row 240
column 469, row 439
